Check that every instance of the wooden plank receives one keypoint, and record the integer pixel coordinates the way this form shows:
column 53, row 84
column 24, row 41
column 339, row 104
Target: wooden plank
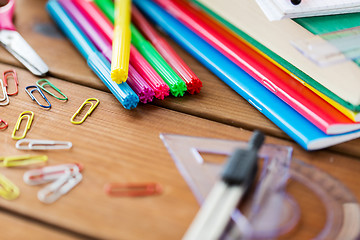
column 118, row 145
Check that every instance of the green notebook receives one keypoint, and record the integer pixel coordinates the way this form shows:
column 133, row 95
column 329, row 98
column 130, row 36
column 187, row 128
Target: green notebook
column 316, row 25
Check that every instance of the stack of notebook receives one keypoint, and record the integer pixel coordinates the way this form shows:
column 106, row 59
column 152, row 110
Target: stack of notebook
column 315, row 106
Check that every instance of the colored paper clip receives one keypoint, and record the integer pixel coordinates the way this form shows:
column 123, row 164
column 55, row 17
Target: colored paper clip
column 6, row 75
column 92, row 107
column 49, row 173
column 23, row 160
column 132, row 189
column 61, row 186
column 8, row 190
column 3, row 124
column 30, row 93
column 4, row 100
column 44, row 82
column 34, row 144
column 18, row 123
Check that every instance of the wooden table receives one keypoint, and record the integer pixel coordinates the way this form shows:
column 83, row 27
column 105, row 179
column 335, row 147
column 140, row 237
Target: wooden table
column 118, row 145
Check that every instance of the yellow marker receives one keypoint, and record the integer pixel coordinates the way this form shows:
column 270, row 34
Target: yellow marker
column 8, row 190
column 30, row 116
column 23, row 160
column 121, row 41
column 92, row 107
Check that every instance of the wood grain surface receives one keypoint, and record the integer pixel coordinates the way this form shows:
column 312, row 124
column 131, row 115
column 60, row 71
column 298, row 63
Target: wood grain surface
column 118, row 145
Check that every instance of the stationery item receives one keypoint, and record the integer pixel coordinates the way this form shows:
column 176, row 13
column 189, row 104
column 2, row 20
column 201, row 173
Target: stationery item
column 193, row 83
column 298, row 96
column 93, row 102
column 272, row 210
column 11, row 74
column 42, row 83
column 132, row 189
column 285, row 66
column 237, row 176
column 279, row 9
column 95, row 60
column 4, row 100
column 8, row 190
column 23, row 160
column 3, row 124
column 15, row 44
column 274, row 40
column 121, row 41
column 36, row 144
column 26, row 114
column 49, row 173
column 31, row 95
column 176, row 85
column 140, row 87
column 285, row 117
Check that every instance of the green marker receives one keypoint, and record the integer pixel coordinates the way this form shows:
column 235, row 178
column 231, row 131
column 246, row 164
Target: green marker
column 176, row 84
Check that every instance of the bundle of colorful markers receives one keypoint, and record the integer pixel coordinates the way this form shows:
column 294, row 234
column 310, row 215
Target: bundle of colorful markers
column 136, row 65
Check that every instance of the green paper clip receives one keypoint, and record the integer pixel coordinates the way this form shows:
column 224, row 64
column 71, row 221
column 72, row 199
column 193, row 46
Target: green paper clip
column 47, row 82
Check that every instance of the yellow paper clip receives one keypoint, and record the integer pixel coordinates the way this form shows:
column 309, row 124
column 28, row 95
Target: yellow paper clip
column 30, row 116
column 93, row 106
column 8, row 190
column 23, row 160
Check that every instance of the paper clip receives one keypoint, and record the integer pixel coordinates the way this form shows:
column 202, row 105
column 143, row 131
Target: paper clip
column 23, row 160
column 34, row 144
column 132, row 189
column 3, row 124
column 61, row 186
column 28, row 124
column 8, row 190
column 6, row 75
column 30, row 93
column 92, row 107
column 4, row 100
column 49, row 173
column 47, row 82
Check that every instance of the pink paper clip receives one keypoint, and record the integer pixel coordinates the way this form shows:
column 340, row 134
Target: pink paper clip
column 3, row 124
column 50, row 173
column 6, row 75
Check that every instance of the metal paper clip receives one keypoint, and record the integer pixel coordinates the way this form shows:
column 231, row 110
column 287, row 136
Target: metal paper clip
column 23, row 160
column 6, row 75
column 93, row 106
column 47, row 82
column 50, row 173
column 132, row 189
column 3, row 124
column 61, row 186
column 8, row 190
column 4, row 100
column 34, row 144
column 30, row 93
column 28, row 124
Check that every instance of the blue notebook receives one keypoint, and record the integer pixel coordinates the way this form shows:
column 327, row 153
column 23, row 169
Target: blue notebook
column 297, row 127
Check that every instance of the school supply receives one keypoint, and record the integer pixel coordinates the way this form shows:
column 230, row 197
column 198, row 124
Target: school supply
column 279, row 9
column 22, row 160
column 132, row 189
column 121, row 41
column 271, row 211
column 298, row 96
column 31, row 95
column 6, row 76
column 15, row 43
column 4, row 100
column 193, row 83
column 274, row 40
column 95, row 60
column 136, row 82
column 3, row 124
column 26, row 114
column 93, row 102
column 36, row 144
column 8, row 190
column 42, row 83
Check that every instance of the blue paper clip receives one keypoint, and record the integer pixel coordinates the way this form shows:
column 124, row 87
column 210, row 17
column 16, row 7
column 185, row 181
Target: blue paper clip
column 30, row 93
